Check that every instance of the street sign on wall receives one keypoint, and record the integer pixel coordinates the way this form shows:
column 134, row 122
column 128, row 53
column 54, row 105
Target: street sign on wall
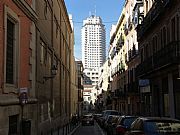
column 23, row 95
column 143, row 82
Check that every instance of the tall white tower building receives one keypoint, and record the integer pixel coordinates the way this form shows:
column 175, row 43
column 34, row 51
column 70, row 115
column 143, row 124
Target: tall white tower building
column 93, row 35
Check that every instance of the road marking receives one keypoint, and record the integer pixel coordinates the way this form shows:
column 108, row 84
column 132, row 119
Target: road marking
column 100, row 129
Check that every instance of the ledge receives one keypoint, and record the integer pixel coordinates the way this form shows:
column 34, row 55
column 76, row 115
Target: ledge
column 6, row 100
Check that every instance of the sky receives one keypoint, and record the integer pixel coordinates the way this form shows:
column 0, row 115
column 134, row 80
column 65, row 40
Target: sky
column 108, row 10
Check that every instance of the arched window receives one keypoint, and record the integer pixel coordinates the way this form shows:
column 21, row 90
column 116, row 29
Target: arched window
column 163, row 37
column 154, row 44
column 178, row 27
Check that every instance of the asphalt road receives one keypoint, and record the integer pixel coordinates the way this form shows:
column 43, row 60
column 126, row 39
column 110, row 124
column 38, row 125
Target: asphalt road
column 89, row 130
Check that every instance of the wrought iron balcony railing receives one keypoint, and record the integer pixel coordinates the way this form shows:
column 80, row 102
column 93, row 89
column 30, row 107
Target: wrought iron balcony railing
column 132, row 54
column 120, row 68
column 167, row 56
column 120, row 43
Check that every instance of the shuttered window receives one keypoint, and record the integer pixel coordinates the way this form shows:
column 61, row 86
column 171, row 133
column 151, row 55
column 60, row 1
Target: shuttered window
column 10, row 52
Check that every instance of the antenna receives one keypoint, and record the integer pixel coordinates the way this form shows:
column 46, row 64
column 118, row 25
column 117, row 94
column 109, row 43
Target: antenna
column 95, row 10
column 89, row 13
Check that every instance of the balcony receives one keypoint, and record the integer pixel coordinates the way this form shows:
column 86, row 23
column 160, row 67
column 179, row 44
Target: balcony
column 126, row 58
column 152, row 16
column 112, row 38
column 120, row 42
column 132, row 54
column 120, row 68
column 167, row 56
column 129, row 23
column 113, row 52
column 125, row 29
column 110, row 79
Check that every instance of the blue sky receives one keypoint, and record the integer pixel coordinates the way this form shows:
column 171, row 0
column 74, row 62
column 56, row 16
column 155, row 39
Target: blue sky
column 108, row 10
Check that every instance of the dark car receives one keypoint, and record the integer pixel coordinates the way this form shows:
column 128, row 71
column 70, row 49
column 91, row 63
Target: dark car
column 154, row 126
column 108, row 121
column 87, row 120
column 123, row 124
column 96, row 116
column 109, row 127
column 105, row 114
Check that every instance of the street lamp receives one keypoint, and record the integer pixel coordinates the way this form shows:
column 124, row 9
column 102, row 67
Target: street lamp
column 53, row 73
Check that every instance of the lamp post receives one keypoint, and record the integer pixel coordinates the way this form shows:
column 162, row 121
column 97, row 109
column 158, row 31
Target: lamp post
column 53, row 73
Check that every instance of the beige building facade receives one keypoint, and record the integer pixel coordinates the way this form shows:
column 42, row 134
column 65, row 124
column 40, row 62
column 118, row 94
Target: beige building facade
column 131, row 56
column 56, row 70
column 118, row 66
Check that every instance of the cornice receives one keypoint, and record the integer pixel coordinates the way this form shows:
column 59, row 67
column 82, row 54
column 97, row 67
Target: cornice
column 22, row 4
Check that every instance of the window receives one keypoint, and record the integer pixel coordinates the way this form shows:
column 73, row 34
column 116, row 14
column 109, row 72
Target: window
column 13, row 122
column 147, row 8
column 154, row 44
column 11, row 22
column 146, row 51
column 10, row 53
column 43, row 57
column 173, row 29
column 164, row 36
column 178, row 26
column 161, row 38
column 142, row 55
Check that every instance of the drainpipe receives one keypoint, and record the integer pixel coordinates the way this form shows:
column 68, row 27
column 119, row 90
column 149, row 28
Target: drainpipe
column 52, row 62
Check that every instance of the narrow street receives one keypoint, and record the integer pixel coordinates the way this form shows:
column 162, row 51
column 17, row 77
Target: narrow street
column 89, row 130
column 69, row 63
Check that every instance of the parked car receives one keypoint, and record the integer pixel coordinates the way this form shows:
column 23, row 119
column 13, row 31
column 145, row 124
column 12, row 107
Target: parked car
column 96, row 116
column 105, row 114
column 109, row 126
column 123, row 124
column 154, row 126
column 87, row 120
column 108, row 121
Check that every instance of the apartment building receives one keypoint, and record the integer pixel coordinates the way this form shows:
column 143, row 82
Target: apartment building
column 159, row 69
column 103, row 94
column 117, row 65
column 80, row 82
column 133, row 10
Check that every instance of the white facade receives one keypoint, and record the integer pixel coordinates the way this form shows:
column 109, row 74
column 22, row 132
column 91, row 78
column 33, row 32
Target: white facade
column 93, row 37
